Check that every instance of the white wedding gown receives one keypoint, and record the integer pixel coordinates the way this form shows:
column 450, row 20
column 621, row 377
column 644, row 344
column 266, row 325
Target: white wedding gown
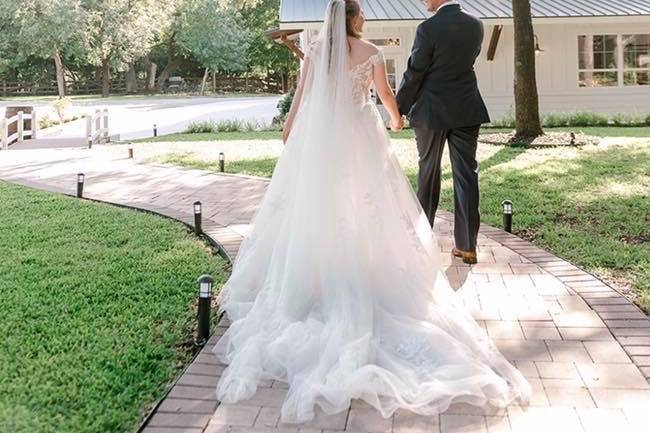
column 338, row 290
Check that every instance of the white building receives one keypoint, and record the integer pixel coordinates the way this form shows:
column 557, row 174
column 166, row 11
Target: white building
column 594, row 54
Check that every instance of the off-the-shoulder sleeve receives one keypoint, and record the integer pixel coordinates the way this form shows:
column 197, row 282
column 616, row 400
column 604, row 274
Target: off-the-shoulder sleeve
column 378, row 59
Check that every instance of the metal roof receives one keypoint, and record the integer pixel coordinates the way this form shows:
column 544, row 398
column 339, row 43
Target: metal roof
column 300, row 11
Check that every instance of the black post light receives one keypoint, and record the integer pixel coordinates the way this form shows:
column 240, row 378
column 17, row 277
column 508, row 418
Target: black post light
column 198, row 214
column 81, row 178
column 507, row 215
column 206, row 283
column 222, row 162
column 538, row 49
column 155, row 130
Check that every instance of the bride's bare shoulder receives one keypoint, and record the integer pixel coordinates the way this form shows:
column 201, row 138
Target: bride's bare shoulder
column 367, row 47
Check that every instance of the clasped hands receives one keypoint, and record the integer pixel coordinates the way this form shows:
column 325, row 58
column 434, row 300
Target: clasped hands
column 396, row 125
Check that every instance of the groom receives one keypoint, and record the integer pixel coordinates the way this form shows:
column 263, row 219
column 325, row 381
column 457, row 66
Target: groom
column 440, row 95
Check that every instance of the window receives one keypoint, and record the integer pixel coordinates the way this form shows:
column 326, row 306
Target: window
column 636, row 55
column 598, row 61
column 613, row 60
column 388, row 42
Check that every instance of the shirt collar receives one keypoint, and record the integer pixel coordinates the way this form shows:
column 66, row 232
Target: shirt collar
column 448, row 4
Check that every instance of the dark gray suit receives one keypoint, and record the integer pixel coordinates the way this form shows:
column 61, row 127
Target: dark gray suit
column 439, row 94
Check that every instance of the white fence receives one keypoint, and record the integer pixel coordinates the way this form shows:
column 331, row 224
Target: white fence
column 21, row 132
column 97, row 131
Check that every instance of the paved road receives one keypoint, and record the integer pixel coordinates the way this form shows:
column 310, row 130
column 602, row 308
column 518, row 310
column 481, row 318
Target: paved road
column 586, row 353
column 133, row 118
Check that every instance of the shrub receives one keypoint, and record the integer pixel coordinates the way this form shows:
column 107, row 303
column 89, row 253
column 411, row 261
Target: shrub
column 200, row 127
column 45, row 122
column 234, row 125
column 555, row 120
column 284, row 106
column 629, row 120
column 60, row 106
column 578, row 119
column 507, row 121
column 586, row 118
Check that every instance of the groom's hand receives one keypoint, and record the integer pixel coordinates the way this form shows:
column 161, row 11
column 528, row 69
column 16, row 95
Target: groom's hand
column 396, row 125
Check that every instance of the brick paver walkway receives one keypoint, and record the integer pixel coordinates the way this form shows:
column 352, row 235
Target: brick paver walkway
column 587, row 356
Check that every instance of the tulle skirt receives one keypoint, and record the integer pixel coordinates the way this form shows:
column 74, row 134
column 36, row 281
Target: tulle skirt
column 338, row 291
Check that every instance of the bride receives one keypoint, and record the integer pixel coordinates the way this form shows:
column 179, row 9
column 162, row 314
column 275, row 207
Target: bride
column 338, row 289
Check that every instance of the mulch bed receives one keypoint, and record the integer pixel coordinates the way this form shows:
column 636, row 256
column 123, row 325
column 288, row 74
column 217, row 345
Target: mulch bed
column 551, row 139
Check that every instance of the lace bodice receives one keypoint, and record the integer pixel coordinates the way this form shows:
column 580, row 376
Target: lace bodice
column 361, row 74
column 362, row 78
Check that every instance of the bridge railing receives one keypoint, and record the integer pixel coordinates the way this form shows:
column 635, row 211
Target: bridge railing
column 97, row 131
column 21, row 133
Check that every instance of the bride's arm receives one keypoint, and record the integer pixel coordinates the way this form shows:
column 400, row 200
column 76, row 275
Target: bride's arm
column 387, row 96
column 297, row 100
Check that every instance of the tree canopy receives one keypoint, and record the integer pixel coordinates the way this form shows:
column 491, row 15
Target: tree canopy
column 210, row 31
column 92, row 39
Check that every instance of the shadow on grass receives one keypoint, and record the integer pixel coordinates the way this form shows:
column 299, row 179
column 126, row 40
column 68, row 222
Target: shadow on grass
column 592, row 209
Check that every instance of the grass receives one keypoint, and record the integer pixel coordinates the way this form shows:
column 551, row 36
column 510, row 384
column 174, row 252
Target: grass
column 588, row 205
column 598, row 131
column 97, row 311
column 215, row 136
column 405, row 134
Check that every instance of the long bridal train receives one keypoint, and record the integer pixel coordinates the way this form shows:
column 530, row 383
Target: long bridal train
column 338, row 290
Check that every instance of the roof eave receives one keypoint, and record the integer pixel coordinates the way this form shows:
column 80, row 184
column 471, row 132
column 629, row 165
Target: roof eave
column 494, row 21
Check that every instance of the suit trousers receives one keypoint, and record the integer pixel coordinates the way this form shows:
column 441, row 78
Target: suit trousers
column 463, row 143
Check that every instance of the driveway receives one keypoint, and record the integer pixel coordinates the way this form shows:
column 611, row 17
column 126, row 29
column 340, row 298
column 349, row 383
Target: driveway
column 133, row 117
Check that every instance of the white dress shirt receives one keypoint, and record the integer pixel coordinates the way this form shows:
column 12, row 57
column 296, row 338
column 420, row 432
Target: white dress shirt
column 447, row 4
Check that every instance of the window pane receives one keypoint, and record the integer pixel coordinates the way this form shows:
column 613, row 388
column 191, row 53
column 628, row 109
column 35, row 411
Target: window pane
column 390, row 66
column 597, row 52
column 637, row 78
column 598, row 79
column 389, row 42
column 636, row 51
column 610, row 43
column 610, row 60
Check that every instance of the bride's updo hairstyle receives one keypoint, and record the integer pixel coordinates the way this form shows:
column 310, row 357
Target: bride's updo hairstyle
column 352, row 10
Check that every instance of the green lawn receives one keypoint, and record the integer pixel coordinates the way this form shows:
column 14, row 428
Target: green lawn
column 98, row 311
column 405, row 134
column 218, row 136
column 588, row 205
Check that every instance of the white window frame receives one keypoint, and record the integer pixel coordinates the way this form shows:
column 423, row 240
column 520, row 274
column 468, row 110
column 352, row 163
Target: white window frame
column 620, row 62
column 619, row 59
column 626, row 69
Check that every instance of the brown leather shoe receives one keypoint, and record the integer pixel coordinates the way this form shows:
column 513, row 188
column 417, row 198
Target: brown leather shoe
column 468, row 257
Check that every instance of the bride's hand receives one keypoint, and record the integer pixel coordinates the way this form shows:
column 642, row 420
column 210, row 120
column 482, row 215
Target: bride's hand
column 285, row 134
column 396, row 125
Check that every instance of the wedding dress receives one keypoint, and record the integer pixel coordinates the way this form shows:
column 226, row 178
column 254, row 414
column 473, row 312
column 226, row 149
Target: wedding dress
column 338, row 290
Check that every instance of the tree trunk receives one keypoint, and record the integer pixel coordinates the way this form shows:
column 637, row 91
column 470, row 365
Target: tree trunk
column 60, row 74
column 150, row 69
column 526, row 96
column 131, row 80
column 214, row 81
column 205, row 79
column 166, row 72
column 106, row 78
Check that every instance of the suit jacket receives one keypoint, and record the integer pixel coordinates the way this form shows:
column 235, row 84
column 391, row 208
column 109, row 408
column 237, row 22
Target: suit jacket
column 439, row 89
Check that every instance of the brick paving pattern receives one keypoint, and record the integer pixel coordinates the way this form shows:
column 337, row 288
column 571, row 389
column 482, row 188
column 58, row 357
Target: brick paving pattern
column 587, row 356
